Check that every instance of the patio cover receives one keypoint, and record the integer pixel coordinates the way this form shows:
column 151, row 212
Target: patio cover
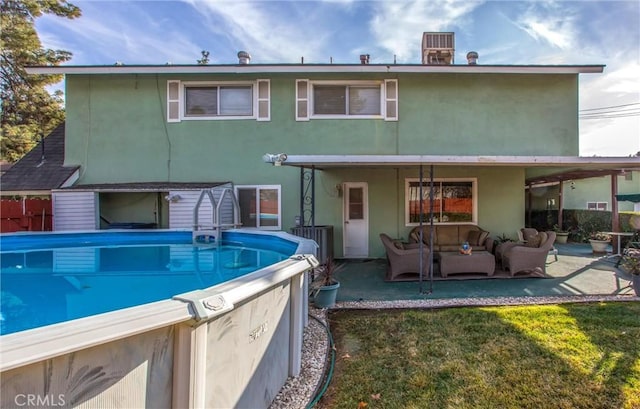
column 565, row 163
column 635, row 198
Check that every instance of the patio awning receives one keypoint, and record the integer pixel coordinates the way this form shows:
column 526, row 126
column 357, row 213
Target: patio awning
column 141, row 187
column 348, row 161
column 635, row 198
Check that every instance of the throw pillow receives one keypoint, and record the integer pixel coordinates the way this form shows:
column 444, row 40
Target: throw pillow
column 528, row 232
column 533, row 241
column 398, row 244
column 543, row 238
column 473, row 237
column 483, row 237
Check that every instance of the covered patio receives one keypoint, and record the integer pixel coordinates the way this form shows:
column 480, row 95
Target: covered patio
column 577, row 272
column 388, row 186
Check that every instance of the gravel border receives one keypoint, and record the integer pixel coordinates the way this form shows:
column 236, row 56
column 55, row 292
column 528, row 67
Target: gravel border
column 298, row 392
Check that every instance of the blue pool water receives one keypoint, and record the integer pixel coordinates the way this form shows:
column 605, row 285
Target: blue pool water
column 52, row 278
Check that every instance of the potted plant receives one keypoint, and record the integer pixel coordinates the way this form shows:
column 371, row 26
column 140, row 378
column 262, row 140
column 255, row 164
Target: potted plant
column 561, row 235
column 599, row 242
column 631, row 264
column 324, row 287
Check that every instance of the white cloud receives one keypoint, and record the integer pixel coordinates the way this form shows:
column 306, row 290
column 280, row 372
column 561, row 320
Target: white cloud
column 117, row 39
column 552, row 22
column 267, row 34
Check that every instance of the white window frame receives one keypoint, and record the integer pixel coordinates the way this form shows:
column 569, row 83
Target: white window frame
column 260, row 100
column 379, row 84
column 257, row 189
column 205, row 84
column 597, row 204
column 426, row 182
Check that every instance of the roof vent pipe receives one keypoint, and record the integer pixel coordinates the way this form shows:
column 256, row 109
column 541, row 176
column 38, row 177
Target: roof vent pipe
column 472, row 57
column 364, row 58
column 244, row 57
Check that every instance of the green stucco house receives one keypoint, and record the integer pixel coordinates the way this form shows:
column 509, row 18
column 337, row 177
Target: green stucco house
column 341, row 145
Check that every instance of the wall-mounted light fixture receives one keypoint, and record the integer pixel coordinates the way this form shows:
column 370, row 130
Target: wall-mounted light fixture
column 275, row 159
column 173, row 197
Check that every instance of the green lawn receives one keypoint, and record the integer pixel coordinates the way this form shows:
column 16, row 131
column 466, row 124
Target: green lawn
column 550, row 356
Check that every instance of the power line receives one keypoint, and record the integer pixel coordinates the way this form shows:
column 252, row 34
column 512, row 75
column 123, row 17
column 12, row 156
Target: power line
column 613, row 111
column 611, row 106
column 611, row 115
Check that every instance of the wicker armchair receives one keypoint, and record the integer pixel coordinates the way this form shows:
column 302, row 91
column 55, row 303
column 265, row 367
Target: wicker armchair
column 404, row 259
column 531, row 256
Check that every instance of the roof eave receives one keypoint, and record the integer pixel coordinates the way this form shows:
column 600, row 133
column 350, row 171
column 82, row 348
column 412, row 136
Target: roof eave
column 316, row 68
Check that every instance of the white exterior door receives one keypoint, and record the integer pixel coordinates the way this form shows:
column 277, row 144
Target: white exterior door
column 356, row 220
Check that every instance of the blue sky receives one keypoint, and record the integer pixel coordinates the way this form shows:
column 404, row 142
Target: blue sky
column 502, row 32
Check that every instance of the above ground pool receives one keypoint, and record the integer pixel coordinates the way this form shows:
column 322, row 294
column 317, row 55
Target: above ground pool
column 144, row 319
column 52, row 278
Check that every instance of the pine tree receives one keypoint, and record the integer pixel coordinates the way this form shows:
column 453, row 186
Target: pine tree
column 29, row 111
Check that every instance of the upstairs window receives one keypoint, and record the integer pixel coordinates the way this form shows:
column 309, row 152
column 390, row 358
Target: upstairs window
column 346, row 100
column 208, row 101
column 218, row 100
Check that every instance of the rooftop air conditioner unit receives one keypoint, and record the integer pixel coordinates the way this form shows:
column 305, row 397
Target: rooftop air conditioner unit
column 438, row 48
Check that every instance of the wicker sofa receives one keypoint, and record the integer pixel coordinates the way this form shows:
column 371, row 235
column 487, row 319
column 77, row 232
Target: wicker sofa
column 451, row 237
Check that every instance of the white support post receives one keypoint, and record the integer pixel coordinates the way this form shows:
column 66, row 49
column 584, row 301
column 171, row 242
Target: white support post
column 297, row 324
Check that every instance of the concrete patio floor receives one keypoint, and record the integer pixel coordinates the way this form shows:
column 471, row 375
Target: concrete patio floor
column 577, row 272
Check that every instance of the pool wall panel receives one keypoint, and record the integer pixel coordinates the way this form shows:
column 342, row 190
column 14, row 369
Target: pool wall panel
column 249, row 348
column 133, row 372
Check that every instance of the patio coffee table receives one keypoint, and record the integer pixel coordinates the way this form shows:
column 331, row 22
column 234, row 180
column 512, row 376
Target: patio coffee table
column 476, row 262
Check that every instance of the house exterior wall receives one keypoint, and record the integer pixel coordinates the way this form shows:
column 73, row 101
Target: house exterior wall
column 500, row 200
column 578, row 192
column 117, row 129
column 117, row 132
column 599, row 190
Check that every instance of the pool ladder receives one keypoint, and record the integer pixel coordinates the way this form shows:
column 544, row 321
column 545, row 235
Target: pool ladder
column 210, row 235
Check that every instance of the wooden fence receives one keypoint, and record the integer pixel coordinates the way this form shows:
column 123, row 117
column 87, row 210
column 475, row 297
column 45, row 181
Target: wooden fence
column 25, row 215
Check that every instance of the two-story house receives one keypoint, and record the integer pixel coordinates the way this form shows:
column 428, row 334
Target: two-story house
column 353, row 141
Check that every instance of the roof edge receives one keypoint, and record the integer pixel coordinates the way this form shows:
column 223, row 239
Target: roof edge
column 315, row 68
column 444, row 160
